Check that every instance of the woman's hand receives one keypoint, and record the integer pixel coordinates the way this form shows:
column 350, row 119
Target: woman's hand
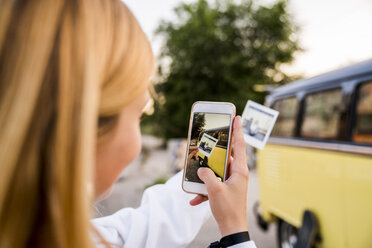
column 228, row 200
column 192, row 153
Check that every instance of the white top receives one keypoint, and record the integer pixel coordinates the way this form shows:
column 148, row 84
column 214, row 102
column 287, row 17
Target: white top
column 164, row 219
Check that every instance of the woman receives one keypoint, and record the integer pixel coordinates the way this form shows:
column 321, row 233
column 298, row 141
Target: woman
column 73, row 82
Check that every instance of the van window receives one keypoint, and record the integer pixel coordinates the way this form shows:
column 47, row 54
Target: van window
column 322, row 114
column 286, row 122
column 362, row 132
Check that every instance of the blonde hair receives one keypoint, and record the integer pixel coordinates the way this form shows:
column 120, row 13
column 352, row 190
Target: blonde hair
column 64, row 64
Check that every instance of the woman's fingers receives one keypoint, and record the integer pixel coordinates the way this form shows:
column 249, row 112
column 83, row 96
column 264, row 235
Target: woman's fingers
column 198, row 199
column 239, row 153
column 212, row 183
column 192, row 154
column 238, row 138
column 193, row 148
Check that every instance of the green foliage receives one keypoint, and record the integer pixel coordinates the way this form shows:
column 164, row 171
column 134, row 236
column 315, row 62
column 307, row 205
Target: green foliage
column 220, row 51
column 198, row 125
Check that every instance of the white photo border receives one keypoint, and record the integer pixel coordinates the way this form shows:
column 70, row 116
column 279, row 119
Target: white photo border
column 209, row 137
column 253, row 141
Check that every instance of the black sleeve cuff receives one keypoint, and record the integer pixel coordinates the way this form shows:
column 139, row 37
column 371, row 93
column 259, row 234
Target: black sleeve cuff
column 231, row 240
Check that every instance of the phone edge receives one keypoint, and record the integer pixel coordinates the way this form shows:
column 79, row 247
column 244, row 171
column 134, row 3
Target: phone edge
column 227, row 168
column 187, row 149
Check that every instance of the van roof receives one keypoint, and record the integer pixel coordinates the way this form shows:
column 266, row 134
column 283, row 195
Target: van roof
column 348, row 72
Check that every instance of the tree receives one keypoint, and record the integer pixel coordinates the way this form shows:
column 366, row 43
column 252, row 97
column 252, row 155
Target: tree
column 198, row 125
column 220, row 51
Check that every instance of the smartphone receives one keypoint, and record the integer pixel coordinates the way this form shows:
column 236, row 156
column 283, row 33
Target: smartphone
column 208, row 143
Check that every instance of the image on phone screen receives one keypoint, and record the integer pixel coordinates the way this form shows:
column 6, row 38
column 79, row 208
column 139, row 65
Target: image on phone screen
column 209, row 140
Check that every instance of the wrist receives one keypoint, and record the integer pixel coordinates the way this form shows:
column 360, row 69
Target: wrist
column 228, row 229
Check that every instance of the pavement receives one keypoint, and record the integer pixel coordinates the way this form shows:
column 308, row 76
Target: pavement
column 155, row 163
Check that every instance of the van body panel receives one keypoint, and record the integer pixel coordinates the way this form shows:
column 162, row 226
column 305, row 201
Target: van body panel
column 336, row 186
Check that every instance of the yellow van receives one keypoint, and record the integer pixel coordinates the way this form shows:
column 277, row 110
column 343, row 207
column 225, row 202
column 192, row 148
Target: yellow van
column 216, row 160
column 319, row 159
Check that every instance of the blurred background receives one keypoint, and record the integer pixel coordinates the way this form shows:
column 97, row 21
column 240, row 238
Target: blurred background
column 311, row 60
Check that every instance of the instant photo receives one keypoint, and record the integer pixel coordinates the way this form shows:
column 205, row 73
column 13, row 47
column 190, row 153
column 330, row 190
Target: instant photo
column 258, row 121
column 208, row 144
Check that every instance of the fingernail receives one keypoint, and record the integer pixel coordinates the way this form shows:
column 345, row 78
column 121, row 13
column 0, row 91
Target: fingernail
column 239, row 119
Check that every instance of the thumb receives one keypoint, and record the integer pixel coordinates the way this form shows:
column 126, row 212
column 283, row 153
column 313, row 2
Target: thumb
column 208, row 177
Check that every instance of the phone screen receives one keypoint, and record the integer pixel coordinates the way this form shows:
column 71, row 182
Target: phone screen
column 209, row 140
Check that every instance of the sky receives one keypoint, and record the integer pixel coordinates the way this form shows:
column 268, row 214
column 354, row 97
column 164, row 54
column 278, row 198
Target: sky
column 333, row 33
column 216, row 120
